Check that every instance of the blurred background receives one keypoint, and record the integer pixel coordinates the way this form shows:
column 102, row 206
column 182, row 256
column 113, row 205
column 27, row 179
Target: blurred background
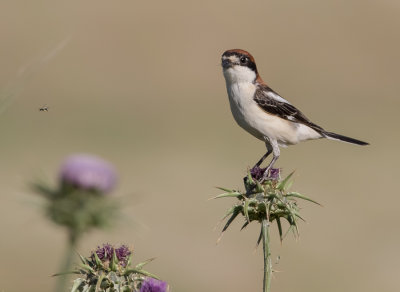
column 139, row 83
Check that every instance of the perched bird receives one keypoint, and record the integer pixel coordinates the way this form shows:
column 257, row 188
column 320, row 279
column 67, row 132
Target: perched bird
column 264, row 113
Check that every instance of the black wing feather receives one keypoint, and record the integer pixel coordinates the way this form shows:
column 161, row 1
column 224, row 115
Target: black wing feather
column 281, row 109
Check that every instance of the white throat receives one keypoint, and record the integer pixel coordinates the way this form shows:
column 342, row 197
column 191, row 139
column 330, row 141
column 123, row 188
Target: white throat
column 239, row 74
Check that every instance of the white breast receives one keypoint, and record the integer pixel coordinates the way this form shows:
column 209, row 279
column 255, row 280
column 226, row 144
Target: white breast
column 241, row 103
column 261, row 124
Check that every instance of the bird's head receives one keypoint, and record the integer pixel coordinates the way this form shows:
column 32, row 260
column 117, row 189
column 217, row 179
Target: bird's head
column 239, row 66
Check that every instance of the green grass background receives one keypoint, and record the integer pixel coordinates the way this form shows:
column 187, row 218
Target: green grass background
column 139, row 83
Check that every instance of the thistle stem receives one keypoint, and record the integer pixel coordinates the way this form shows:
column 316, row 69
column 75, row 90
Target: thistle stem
column 267, row 256
column 67, row 262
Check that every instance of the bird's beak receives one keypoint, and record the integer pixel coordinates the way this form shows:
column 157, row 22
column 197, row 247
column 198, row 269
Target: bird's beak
column 226, row 63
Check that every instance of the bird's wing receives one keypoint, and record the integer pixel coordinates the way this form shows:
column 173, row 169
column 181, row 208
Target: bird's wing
column 272, row 103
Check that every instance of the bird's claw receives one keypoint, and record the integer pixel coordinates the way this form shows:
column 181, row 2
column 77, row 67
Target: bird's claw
column 265, row 175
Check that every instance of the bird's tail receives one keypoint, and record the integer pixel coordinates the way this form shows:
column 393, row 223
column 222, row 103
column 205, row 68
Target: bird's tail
column 334, row 136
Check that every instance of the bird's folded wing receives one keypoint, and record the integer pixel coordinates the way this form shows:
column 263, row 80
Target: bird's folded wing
column 272, row 103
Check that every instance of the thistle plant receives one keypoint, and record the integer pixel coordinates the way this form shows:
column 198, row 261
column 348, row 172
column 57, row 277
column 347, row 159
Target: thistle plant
column 79, row 203
column 109, row 269
column 265, row 202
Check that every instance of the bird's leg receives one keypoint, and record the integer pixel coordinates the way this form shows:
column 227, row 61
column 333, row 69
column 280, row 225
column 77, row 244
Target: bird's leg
column 270, row 165
column 255, row 171
column 269, row 151
column 262, row 158
column 276, row 153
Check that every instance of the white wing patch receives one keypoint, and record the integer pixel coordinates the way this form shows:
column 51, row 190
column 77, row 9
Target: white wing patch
column 276, row 96
column 290, row 118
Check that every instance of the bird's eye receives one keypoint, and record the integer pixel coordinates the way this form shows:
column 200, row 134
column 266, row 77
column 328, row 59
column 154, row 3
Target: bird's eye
column 243, row 60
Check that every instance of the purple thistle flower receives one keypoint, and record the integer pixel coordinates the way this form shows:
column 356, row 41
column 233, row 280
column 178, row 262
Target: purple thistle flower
column 274, row 173
column 257, row 173
column 105, row 253
column 123, row 254
column 88, row 172
column 153, row 285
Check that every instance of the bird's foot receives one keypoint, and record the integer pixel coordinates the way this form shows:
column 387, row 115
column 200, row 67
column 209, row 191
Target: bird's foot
column 257, row 172
column 261, row 175
column 271, row 173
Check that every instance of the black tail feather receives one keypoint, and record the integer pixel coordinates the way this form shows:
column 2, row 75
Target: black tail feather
column 344, row 138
